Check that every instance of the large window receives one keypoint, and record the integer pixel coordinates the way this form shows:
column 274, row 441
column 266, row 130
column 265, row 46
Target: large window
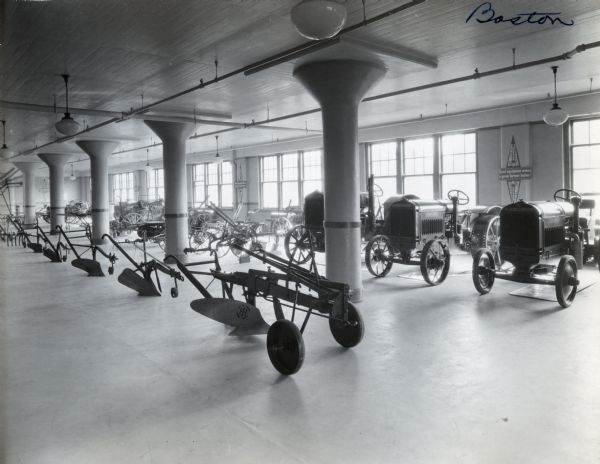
column 459, row 165
column 285, row 179
column 418, row 167
column 585, row 156
column 428, row 167
column 156, row 185
column 383, row 166
column 123, row 187
column 311, row 172
column 213, row 182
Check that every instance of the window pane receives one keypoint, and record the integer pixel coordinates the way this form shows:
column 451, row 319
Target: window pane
column 595, row 131
column 309, row 186
column 198, row 193
column 227, row 196
column 289, row 166
column 212, row 170
column 388, row 185
column 421, row 186
column 269, row 195
column 465, row 182
column 227, row 172
column 289, row 192
column 160, row 177
column 581, row 157
column 458, row 153
column 383, row 159
column 269, row 168
column 581, row 132
column 213, row 194
column 418, row 156
column 586, row 181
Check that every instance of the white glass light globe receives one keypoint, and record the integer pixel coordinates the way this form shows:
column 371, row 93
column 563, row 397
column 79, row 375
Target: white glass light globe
column 556, row 116
column 67, row 125
column 319, row 19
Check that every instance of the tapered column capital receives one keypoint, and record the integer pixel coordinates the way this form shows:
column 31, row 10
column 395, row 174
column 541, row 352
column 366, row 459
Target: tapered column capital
column 26, row 166
column 339, row 81
column 97, row 148
column 55, row 159
column 170, row 130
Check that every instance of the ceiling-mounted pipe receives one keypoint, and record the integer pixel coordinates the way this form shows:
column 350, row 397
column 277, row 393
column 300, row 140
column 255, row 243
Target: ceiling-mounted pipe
column 144, row 109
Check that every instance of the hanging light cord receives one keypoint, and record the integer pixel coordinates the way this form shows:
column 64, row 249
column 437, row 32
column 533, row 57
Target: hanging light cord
column 554, row 69
column 217, row 138
column 66, row 79
column 3, row 133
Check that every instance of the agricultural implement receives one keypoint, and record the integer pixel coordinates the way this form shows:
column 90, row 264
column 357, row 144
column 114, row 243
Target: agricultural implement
column 292, row 287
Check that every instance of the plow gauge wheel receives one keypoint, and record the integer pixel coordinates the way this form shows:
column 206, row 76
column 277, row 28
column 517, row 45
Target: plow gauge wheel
column 348, row 334
column 285, row 347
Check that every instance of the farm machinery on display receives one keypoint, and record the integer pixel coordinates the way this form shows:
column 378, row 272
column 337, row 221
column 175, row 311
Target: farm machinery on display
column 541, row 242
column 302, row 241
column 415, row 232
column 292, row 287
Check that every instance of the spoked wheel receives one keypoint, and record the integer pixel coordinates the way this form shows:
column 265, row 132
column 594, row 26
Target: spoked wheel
column 492, row 239
column 378, row 256
column 348, row 334
column 198, row 238
column 298, row 245
column 483, row 271
column 133, row 218
column 435, row 262
column 222, row 248
column 285, row 347
column 245, row 241
column 566, row 281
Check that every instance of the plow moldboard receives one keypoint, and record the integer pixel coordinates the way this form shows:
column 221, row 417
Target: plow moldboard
column 246, row 318
column 90, row 266
column 136, row 282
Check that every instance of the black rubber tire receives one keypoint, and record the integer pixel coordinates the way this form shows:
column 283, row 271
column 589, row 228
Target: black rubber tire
column 430, row 259
column 566, row 270
column 373, row 256
column 483, row 271
column 345, row 334
column 285, row 347
column 297, row 245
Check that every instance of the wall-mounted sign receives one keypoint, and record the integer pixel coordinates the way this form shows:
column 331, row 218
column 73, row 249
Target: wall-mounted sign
column 514, row 173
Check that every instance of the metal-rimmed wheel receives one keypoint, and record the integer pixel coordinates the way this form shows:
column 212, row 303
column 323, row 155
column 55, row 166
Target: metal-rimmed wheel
column 483, row 271
column 566, row 281
column 285, row 346
column 298, row 245
column 435, row 262
column 350, row 333
column 378, row 256
column 222, row 248
column 486, row 234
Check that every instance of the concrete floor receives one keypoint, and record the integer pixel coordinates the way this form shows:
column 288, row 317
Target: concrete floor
column 92, row 373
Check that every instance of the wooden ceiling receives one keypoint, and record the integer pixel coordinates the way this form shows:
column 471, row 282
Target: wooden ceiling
column 118, row 50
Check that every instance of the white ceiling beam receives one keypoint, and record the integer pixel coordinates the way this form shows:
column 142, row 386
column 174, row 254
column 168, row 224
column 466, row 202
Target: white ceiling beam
column 395, row 51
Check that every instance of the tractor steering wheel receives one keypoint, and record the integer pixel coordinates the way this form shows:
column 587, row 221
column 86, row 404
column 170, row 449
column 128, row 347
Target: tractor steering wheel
column 569, row 194
column 461, row 196
column 377, row 190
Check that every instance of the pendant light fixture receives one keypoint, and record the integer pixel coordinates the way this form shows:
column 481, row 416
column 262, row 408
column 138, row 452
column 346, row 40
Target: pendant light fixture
column 556, row 116
column 319, row 19
column 217, row 139
column 148, row 168
column 67, row 125
column 72, row 177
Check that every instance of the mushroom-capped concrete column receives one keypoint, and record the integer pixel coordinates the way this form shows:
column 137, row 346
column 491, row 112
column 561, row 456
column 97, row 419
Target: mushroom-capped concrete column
column 339, row 86
column 173, row 136
column 29, row 198
column 56, row 162
column 99, row 151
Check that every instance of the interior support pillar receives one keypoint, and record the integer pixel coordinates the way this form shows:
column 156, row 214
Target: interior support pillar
column 56, row 163
column 173, row 136
column 29, row 197
column 339, row 86
column 99, row 151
